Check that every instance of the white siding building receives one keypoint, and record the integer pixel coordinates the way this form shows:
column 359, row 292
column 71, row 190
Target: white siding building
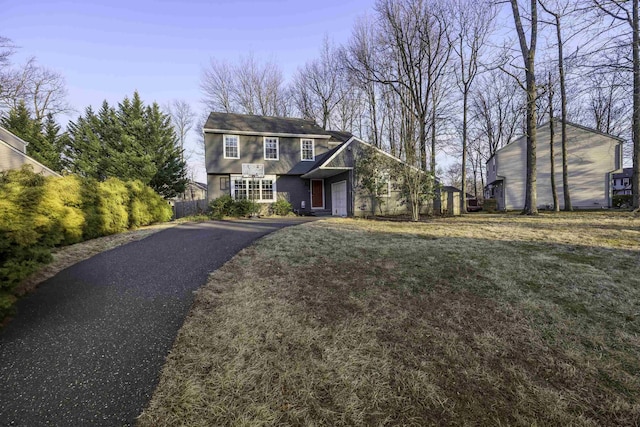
column 593, row 157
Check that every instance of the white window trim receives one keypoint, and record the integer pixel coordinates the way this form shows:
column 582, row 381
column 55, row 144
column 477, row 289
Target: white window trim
column 264, row 147
column 232, row 187
column 224, row 146
column 313, row 150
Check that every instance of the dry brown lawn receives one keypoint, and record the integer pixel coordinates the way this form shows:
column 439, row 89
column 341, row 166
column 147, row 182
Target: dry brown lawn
column 479, row 320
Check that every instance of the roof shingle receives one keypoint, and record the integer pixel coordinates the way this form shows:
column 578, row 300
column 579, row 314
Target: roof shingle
column 262, row 124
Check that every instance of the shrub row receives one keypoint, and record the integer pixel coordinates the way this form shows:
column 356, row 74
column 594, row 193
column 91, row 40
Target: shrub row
column 622, row 200
column 38, row 213
column 226, row 206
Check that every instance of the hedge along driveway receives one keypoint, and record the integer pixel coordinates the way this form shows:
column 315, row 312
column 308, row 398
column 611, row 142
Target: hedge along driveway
column 87, row 347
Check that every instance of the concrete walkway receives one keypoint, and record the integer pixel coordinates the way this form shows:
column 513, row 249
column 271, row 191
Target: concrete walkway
column 87, row 347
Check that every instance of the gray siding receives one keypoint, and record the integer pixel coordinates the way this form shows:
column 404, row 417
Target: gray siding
column 252, row 151
column 294, row 190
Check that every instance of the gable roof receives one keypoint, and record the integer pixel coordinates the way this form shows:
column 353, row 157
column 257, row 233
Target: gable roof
column 27, row 159
column 626, row 173
column 13, row 140
column 339, row 136
column 325, row 162
column 246, row 124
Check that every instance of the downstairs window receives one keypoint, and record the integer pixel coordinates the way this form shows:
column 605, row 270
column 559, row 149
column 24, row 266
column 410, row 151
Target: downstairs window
column 256, row 189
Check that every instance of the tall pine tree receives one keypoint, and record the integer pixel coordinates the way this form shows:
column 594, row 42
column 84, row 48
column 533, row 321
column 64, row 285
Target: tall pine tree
column 132, row 142
column 45, row 144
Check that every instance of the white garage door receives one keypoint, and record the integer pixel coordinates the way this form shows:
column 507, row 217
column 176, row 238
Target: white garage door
column 339, row 198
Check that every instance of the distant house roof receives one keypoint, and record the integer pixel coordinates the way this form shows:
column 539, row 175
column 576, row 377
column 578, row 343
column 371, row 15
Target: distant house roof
column 626, row 173
column 262, row 125
column 450, row 189
column 200, row 185
column 13, row 140
column 339, row 136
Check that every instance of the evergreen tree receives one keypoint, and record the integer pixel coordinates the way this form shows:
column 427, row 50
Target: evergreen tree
column 20, row 123
column 162, row 142
column 52, row 144
column 85, row 151
column 130, row 157
column 132, row 142
column 44, row 141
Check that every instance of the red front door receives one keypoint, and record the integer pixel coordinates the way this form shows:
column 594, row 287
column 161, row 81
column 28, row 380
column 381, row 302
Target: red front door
column 317, row 193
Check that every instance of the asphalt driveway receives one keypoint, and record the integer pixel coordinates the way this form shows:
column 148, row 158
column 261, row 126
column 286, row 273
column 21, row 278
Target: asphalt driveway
column 87, row 347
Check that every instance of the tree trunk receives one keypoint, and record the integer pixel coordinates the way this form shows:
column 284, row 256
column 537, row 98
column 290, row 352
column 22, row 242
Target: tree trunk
column 528, row 55
column 463, row 201
column 552, row 155
column 563, row 111
column 635, row 179
column 432, row 166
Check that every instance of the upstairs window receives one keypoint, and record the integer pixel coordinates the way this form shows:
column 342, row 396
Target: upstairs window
column 231, row 146
column 271, row 148
column 307, row 150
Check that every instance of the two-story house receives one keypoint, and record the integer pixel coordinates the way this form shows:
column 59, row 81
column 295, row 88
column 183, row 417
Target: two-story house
column 13, row 154
column 287, row 158
column 622, row 182
column 593, row 158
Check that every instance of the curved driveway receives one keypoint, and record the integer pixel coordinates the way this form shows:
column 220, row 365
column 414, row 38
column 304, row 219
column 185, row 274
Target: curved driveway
column 87, row 347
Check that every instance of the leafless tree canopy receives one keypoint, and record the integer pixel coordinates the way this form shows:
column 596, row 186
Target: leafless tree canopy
column 42, row 90
column 182, row 117
column 249, row 87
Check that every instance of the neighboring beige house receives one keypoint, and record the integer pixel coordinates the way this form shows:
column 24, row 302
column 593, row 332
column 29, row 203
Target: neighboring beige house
column 193, row 191
column 13, row 154
column 593, row 158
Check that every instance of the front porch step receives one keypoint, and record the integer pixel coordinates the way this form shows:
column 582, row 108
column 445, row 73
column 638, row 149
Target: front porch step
column 321, row 212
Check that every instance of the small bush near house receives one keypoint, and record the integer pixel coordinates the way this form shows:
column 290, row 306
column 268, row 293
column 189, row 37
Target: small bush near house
column 226, row 206
column 246, row 207
column 622, row 200
column 38, row 213
column 282, row 207
column 490, row 205
column 221, row 207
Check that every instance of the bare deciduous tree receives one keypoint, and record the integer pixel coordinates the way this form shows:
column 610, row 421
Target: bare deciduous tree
column 182, row 117
column 496, row 110
column 409, row 56
column 560, row 11
column 320, row 86
column 42, row 90
column 473, row 24
column 249, row 87
column 627, row 13
column 528, row 51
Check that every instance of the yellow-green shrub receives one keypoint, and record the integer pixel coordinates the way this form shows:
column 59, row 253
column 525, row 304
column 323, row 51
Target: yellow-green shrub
column 113, row 206
column 145, row 206
column 38, row 213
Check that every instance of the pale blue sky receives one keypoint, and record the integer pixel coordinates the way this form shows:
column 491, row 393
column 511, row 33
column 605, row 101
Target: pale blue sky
column 107, row 49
